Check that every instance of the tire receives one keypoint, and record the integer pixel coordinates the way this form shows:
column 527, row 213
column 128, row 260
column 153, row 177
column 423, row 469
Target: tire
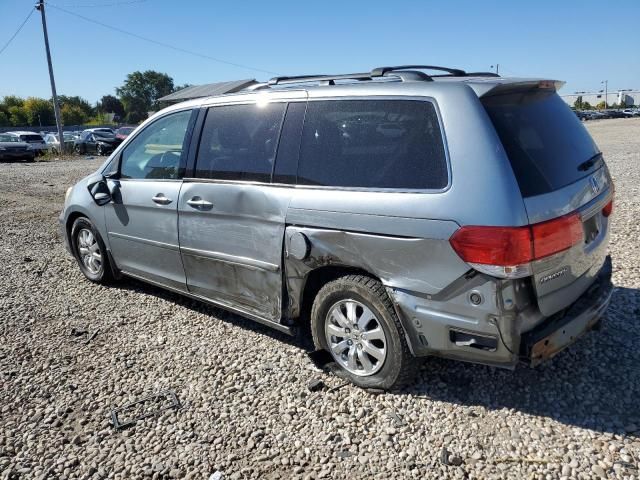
column 77, row 149
column 352, row 295
column 99, row 150
column 85, row 241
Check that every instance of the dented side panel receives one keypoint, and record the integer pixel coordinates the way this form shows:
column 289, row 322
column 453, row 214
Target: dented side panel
column 232, row 250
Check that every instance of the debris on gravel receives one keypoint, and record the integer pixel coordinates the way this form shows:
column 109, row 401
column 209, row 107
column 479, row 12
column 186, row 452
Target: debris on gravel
column 246, row 409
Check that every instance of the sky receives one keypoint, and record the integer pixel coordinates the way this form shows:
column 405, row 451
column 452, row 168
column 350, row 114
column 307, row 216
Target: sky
column 582, row 42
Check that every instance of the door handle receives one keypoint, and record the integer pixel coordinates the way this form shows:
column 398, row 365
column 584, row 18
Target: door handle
column 160, row 199
column 199, row 203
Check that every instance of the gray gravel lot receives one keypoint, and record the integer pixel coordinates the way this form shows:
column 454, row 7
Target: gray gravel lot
column 246, row 410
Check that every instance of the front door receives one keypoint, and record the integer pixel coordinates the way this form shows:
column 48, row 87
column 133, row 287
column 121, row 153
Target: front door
column 231, row 220
column 142, row 219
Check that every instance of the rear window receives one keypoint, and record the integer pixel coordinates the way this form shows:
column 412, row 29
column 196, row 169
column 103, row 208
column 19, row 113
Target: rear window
column 372, row 144
column 31, row 138
column 547, row 145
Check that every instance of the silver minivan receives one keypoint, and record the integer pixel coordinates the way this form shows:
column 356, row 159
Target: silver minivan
column 394, row 214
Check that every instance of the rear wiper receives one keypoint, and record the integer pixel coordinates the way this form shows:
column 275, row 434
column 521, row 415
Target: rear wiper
column 587, row 165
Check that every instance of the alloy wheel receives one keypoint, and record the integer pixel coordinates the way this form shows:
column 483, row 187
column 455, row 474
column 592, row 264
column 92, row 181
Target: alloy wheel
column 355, row 337
column 89, row 251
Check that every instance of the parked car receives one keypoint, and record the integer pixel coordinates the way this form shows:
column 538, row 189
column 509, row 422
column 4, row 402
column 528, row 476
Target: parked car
column 11, row 148
column 53, row 142
column 98, row 141
column 35, row 141
column 631, row 112
column 124, row 132
column 372, row 208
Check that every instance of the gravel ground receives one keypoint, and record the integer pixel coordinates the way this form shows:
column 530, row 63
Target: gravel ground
column 246, row 411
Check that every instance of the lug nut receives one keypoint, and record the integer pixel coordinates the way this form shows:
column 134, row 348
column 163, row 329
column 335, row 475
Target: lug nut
column 347, row 331
column 349, row 342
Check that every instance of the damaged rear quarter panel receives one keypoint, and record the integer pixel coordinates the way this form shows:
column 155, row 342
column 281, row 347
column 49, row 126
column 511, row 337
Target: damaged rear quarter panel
column 392, row 250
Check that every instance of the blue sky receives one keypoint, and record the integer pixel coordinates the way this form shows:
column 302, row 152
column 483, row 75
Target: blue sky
column 579, row 41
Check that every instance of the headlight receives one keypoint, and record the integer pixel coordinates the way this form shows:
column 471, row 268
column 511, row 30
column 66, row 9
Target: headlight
column 67, row 193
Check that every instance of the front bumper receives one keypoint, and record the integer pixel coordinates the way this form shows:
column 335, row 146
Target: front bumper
column 13, row 155
column 62, row 229
column 564, row 328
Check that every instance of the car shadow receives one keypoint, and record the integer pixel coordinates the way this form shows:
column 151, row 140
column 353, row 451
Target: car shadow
column 594, row 384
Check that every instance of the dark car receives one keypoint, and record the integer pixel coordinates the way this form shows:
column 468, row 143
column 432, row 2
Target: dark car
column 98, row 141
column 124, row 132
column 12, row 148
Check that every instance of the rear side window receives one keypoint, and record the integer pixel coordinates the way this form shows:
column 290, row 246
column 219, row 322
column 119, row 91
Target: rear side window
column 239, row 142
column 372, row 144
column 547, row 145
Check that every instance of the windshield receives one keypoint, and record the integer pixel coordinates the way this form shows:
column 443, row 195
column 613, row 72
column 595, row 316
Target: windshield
column 547, row 145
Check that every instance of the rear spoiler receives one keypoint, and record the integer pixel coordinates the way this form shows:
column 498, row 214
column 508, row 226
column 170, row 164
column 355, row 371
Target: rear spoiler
column 485, row 89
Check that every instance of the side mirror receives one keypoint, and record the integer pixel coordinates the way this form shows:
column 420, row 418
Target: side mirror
column 99, row 190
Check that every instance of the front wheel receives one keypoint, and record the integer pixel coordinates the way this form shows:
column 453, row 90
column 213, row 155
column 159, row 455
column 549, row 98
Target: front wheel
column 90, row 251
column 99, row 150
column 353, row 319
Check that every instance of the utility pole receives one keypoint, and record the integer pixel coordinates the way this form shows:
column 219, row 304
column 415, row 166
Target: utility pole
column 606, row 82
column 56, row 106
column 497, row 67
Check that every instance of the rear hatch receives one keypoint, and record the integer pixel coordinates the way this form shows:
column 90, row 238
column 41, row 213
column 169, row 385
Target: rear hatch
column 561, row 174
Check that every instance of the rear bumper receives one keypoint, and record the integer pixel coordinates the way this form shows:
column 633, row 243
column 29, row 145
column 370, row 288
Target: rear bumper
column 564, row 328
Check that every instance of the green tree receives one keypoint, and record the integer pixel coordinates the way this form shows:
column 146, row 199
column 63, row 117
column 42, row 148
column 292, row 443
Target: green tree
column 4, row 119
column 577, row 105
column 601, row 106
column 17, row 116
column 12, row 101
column 586, row 106
column 110, row 104
column 76, row 101
column 73, row 114
column 140, row 93
column 39, row 111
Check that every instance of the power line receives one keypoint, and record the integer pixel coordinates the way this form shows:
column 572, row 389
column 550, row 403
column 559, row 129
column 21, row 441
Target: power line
column 162, row 44
column 92, row 5
column 17, row 32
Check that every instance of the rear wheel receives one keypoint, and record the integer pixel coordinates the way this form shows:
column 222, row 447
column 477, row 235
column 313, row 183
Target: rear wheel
column 353, row 319
column 90, row 251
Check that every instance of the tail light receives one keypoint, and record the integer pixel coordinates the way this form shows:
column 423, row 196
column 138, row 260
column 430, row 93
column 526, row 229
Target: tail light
column 608, row 208
column 507, row 252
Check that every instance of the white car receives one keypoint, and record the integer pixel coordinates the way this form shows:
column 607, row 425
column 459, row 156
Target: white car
column 35, row 141
column 53, row 144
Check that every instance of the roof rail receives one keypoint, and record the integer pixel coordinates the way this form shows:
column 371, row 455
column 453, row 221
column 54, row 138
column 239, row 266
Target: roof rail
column 380, row 71
column 403, row 72
column 330, row 79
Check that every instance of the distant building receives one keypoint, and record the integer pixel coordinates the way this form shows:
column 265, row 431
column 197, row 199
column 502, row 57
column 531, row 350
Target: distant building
column 627, row 98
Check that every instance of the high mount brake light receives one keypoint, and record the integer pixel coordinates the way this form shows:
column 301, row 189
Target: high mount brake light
column 507, row 252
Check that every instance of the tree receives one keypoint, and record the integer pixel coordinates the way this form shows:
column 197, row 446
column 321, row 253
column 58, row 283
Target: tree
column 4, row 119
column 12, row 101
column 601, row 106
column 39, row 111
column 111, row 104
column 73, row 114
column 77, row 102
column 17, row 116
column 140, row 93
column 577, row 105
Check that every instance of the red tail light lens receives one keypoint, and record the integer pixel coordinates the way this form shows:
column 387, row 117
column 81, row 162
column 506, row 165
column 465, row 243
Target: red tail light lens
column 608, row 208
column 556, row 235
column 516, row 246
column 502, row 246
